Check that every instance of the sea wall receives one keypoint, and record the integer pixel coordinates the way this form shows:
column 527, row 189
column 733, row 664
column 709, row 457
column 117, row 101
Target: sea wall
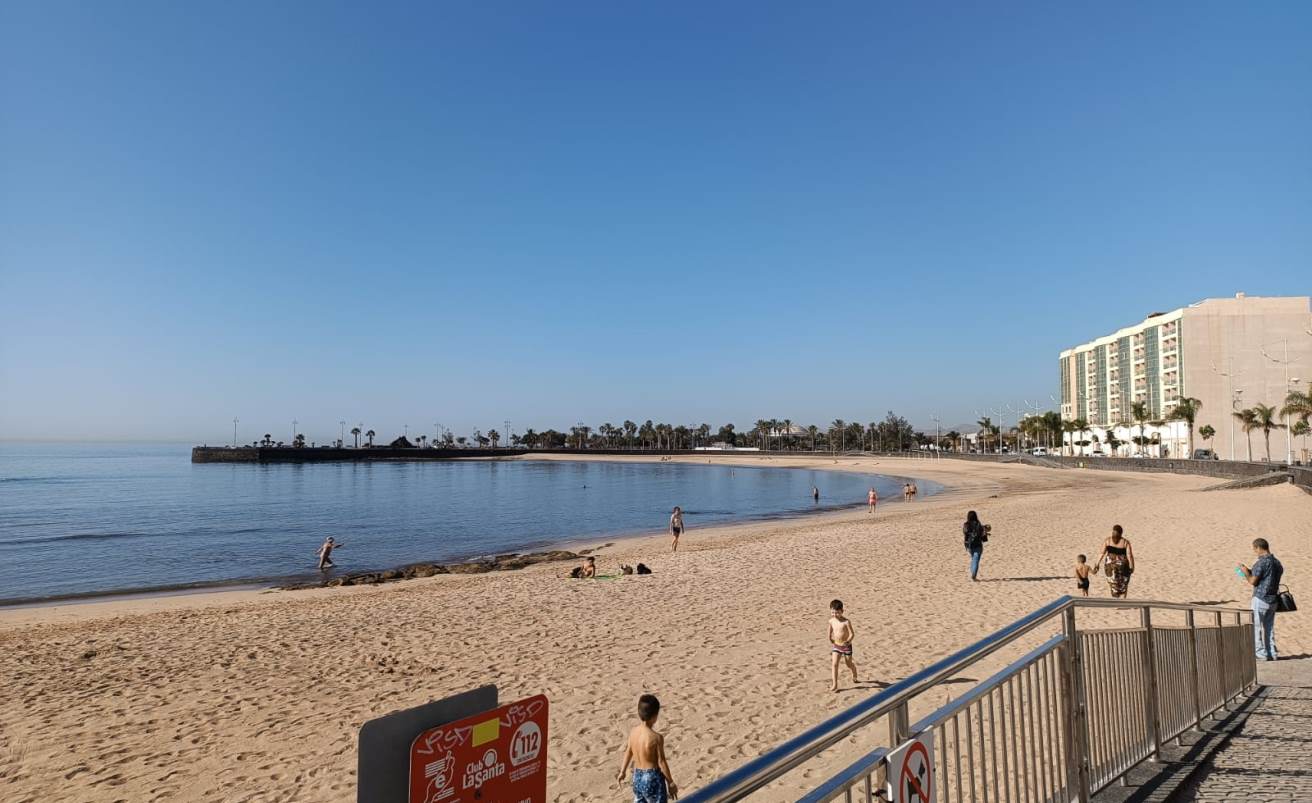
column 327, row 454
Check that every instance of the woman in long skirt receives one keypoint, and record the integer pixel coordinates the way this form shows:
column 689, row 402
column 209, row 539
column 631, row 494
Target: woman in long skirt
column 1117, row 560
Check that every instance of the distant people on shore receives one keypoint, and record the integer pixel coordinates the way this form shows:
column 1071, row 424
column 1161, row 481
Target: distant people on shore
column 326, row 553
column 872, row 499
column 841, row 634
column 1265, row 578
column 645, row 750
column 585, row 570
column 1117, row 562
column 974, row 535
column 676, row 528
column 1082, row 574
column 906, row 492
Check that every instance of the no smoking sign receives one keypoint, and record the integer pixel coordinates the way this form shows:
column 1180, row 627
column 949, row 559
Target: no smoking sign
column 911, row 771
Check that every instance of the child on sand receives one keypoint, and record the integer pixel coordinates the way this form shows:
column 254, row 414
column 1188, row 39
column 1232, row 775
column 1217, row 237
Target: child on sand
column 872, row 499
column 1082, row 574
column 841, row 634
column 645, row 749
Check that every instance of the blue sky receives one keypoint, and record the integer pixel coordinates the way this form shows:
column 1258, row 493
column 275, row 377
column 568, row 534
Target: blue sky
column 563, row 212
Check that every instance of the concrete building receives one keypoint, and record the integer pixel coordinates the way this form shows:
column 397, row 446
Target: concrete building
column 1229, row 353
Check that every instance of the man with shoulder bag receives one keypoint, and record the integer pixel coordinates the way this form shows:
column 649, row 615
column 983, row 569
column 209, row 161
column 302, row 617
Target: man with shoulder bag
column 1265, row 577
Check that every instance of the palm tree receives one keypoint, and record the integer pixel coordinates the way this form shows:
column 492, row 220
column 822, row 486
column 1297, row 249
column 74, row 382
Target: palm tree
column 1081, row 425
column 630, row 429
column 1207, row 432
column 356, row 432
column 1113, row 441
column 812, row 430
column 299, row 441
column 1300, row 429
column 788, row 430
column 1298, row 404
column 493, row 436
column 1248, row 421
column 268, row 439
column 1139, row 411
column 1070, row 429
column 1266, row 418
column 1186, row 409
column 839, row 426
column 985, row 427
column 370, row 435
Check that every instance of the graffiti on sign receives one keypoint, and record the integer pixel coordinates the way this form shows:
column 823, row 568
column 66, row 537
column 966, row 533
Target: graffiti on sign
column 499, row 755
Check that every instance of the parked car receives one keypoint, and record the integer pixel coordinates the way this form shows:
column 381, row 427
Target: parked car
column 1205, row 454
column 1039, row 451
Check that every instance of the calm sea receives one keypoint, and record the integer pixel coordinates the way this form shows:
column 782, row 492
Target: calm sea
column 78, row 519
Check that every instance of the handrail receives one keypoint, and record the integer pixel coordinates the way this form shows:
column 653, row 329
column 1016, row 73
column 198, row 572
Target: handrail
column 776, row 762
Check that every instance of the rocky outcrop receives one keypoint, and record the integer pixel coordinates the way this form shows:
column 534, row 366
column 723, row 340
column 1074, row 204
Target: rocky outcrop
column 500, row 563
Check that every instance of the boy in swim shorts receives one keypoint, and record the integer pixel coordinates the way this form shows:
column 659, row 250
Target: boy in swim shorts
column 1082, row 574
column 841, row 634
column 645, row 749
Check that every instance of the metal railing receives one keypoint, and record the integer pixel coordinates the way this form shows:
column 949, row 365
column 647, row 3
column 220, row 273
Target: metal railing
column 1064, row 720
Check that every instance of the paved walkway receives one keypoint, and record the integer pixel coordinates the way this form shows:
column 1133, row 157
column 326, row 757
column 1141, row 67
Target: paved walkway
column 1269, row 756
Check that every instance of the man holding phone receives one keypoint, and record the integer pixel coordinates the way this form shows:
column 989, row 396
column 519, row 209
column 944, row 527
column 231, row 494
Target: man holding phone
column 1264, row 577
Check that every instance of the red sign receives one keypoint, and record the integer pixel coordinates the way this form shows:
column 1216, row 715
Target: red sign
column 499, row 755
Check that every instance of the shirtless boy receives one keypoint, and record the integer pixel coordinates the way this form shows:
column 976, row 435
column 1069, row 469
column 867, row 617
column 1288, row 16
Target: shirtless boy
column 676, row 527
column 326, row 553
column 645, row 749
column 872, row 499
column 1082, row 574
column 841, row 634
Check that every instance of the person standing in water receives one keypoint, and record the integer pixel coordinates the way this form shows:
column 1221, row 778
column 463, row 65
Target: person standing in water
column 1117, row 561
column 326, row 553
column 872, row 499
column 676, row 527
column 815, row 494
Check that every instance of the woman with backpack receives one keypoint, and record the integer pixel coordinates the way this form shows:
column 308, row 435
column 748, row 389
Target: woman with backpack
column 974, row 535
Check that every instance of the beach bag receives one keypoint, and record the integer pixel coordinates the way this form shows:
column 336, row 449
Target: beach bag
column 576, row 572
column 642, row 569
column 1285, row 601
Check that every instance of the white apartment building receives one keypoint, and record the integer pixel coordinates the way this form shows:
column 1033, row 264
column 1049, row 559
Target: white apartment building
column 1229, row 353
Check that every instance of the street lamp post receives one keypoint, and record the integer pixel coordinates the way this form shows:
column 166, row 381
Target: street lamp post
column 234, row 432
column 1234, row 399
column 341, row 440
column 294, row 423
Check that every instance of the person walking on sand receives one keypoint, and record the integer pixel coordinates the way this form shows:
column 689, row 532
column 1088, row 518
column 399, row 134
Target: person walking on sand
column 645, row 750
column 1117, row 562
column 872, row 499
column 676, row 527
column 1265, row 578
column 1081, row 575
column 326, row 553
column 974, row 535
column 841, row 634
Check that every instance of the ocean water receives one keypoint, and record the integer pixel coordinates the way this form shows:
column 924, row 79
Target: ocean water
column 93, row 519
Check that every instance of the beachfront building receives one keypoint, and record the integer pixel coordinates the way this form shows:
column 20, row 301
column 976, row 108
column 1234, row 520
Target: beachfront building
column 1229, row 353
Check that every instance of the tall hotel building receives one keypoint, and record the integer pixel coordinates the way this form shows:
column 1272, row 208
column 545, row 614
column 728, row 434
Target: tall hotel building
column 1228, row 353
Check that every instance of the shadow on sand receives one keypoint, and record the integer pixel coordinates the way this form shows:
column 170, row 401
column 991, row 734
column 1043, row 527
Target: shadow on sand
column 1020, row 579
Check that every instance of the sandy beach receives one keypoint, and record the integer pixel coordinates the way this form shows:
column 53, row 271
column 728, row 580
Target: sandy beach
column 258, row 696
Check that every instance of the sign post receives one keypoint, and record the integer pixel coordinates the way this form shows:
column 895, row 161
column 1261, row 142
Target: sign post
column 498, row 755
column 911, row 771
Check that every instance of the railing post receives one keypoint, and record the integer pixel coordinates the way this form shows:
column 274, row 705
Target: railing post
column 1151, row 718
column 1077, row 732
column 1220, row 655
column 1193, row 669
column 899, row 731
